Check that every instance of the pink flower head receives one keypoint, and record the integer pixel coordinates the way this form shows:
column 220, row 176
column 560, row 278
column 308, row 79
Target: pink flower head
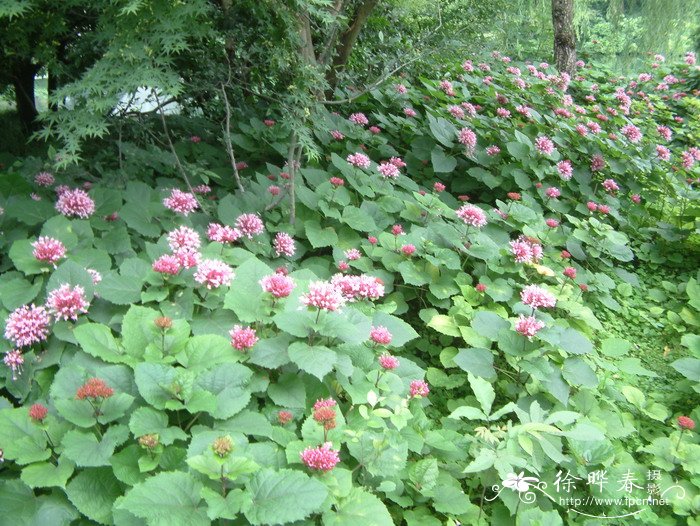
column 213, row 273
column 222, row 233
column 610, row 185
column 632, row 133
column 419, row 389
column 242, row 338
column 388, row 362
column 358, row 287
column 61, row 189
column 544, row 145
column 337, row 135
column 604, row 209
column 48, row 249
column 687, row 160
column 337, row 181
column 537, row 297
column 284, row 417
column 167, row 264
column 663, row 153
column 269, row 123
column 553, row 192
column 400, row 89
column 195, row 139
column 685, row 422
column 27, row 325
column 184, row 238
column 665, row 132
column 44, row 179
column 397, row 230
column 181, row 202
column 690, row 58
column 343, row 266
column 521, row 251
column 552, row 223
column 375, row 129
column 456, row 111
column 468, row 66
column 75, row 203
column 380, row 335
column 96, row 276
column 202, row 189
column 35, row 196
column 467, row 137
column 353, row 254
column 359, row 119
column 472, row 215
column 503, row 113
column 597, row 163
column 565, row 254
column 321, row 458
column 636, row 198
column 14, row 360
column 409, row 112
column 279, row 285
column 408, row 250
column 528, row 326
column 398, row 162
column 493, row 150
column 480, row 287
column 570, row 272
column 439, row 187
column 359, row 159
column 388, row 170
column 372, row 240
column 38, row 412
column 284, row 244
column 67, row 302
column 250, row 225
column 324, row 296
column 592, row 206
column 523, row 110
column 446, row 86
column 274, row 189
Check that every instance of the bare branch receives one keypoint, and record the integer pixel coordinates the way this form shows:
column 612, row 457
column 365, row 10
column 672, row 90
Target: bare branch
column 227, row 140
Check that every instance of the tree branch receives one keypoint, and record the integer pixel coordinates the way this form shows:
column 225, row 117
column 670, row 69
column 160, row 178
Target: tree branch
column 227, row 140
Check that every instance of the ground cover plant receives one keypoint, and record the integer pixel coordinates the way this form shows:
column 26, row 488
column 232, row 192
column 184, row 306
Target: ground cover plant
column 430, row 321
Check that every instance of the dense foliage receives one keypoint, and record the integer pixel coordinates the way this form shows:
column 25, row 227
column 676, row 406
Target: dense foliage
column 425, row 334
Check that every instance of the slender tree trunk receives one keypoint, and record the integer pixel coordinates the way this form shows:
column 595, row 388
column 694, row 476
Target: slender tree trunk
column 347, row 41
column 564, row 35
column 23, row 82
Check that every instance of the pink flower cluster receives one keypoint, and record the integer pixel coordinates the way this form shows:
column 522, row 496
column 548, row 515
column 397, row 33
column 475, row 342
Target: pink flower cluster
column 632, row 133
column 323, row 295
column 472, row 215
column 525, row 250
column 419, row 389
column 250, row 225
column 181, row 202
column 27, row 325
column 380, row 335
column 48, row 250
column 242, row 338
column 284, row 244
column 279, row 285
column 213, row 273
column 663, row 153
column 75, row 203
column 44, row 179
column 537, row 297
column 359, row 118
column 467, row 137
column 388, row 362
column 167, row 264
column 528, row 326
column 544, row 145
column 321, row 458
column 354, row 288
column 359, row 159
column 409, row 112
column 597, row 163
column 14, row 360
column 184, row 238
column 66, row 302
column 610, row 185
column 388, row 170
column 565, row 169
column 353, row 254
column 222, row 233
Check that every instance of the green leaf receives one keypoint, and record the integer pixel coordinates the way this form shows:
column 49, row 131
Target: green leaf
column 288, row 391
column 98, row 341
column 93, row 492
column 47, row 474
column 320, row 237
column 615, row 347
column 518, row 150
column 118, row 289
column 271, row 353
column 483, row 391
column 574, row 342
column 205, row 351
column 358, row 219
column 688, row 367
column 444, row 324
column 442, row 130
column 359, row 507
column 316, row 360
column 73, row 274
column 168, row 499
column 577, row 372
column 489, row 324
column 16, row 291
column 84, row 449
column 401, row 332
column 146, row 420
column 476, row 361
column 230, row 385
column 442, row 163
column 470, row 413
column 224, row 508
column 246, row 297
column 424, row 474
column 21, row 254
column 21, row 439
column 139, row 329
column 279, row 497
column 154, row 382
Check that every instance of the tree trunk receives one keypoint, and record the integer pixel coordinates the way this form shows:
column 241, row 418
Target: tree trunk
column 564, row 35
column 347, row 41
column 23, row 82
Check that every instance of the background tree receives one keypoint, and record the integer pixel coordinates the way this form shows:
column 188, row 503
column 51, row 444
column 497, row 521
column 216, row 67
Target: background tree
column 564, row 35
